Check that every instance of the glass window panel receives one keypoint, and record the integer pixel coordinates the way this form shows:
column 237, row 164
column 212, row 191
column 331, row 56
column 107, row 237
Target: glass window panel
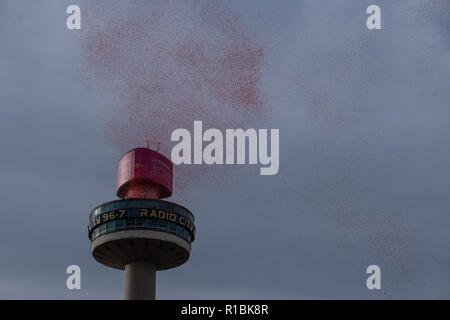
column 140, row 222
column 162, row 225
column 120, row 223
column 148, row 222
column 130, row 222
column 110, row 226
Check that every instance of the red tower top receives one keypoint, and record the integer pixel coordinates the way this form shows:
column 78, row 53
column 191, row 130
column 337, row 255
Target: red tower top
column 144, row 173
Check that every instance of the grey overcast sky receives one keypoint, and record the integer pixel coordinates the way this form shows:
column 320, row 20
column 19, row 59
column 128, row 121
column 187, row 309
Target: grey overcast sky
column 364, row 176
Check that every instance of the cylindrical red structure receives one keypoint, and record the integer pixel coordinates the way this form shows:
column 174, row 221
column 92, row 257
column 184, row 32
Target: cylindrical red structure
column 144, row 173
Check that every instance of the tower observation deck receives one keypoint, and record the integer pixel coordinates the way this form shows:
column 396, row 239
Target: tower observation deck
column 140, row 233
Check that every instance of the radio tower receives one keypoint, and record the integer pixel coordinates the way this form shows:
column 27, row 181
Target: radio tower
column 140, row 233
